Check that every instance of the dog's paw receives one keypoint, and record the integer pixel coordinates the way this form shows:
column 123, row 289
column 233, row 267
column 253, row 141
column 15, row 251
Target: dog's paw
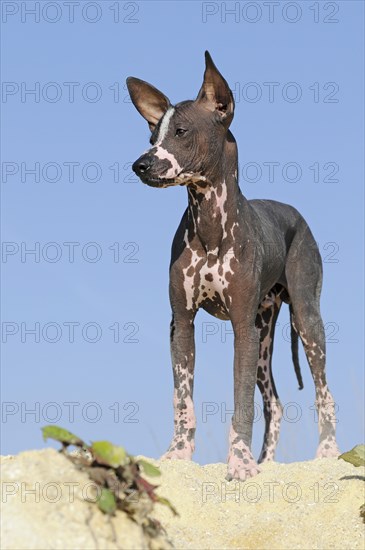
column 179, row 450
column 241, row 468
column 241, row 463
column 328, row 449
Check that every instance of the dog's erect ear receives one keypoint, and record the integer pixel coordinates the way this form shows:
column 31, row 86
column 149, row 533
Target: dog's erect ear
column 215, row 93
column 149, row 102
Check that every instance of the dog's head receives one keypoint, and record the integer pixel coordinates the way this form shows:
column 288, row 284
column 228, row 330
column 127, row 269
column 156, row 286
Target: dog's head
column 187, row 139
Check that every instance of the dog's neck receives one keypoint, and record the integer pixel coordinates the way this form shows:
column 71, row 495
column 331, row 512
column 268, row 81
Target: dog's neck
column 213, row 203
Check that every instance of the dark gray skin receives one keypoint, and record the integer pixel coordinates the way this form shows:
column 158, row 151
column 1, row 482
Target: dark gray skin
column 238, row 260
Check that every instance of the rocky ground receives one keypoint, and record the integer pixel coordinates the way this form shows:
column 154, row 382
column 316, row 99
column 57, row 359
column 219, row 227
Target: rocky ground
column 306, row 505
column 46, row 503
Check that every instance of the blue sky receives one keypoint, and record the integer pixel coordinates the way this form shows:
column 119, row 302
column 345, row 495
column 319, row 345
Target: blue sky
column 95, row 289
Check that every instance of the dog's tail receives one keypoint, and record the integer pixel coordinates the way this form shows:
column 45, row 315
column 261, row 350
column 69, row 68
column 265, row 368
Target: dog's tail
column 295, row 349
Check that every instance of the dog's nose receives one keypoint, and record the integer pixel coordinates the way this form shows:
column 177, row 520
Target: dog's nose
column 142, row 164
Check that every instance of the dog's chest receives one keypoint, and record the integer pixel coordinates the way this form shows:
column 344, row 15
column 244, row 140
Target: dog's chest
column 206, row 282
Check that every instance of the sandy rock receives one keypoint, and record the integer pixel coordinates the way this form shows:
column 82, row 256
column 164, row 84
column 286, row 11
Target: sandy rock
column 46, row 504
column 304, row 505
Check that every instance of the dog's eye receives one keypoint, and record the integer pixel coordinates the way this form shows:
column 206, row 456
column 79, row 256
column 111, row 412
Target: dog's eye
column 180, row 132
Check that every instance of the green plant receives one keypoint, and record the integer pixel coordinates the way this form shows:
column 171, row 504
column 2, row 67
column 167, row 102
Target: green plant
column 117, row 476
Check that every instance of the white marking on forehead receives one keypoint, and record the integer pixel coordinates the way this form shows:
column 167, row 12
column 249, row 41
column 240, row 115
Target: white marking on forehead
column 165, row 124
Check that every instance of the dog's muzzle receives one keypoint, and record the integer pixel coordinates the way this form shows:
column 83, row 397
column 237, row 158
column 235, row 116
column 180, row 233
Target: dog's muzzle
column 150, row 170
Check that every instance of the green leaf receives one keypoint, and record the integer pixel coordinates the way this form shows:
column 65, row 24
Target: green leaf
column 109, row 454
column 148, row 468
column 60, row 434
column 166, row 502
column 107, row 502
column 356, row 456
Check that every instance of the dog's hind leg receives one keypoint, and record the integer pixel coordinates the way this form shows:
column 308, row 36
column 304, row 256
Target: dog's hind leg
column 304, row 277
column 265, row 321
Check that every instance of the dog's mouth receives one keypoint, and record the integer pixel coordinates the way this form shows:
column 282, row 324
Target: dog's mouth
column 179, row 179
column 159, row 182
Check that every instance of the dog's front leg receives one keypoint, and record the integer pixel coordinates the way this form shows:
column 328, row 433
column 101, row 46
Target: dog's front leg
column 183, row 360
column 241, row 464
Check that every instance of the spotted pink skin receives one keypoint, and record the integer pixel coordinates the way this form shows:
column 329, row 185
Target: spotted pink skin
column 182, row 445
column 327, row 449
column 315, row 352
column 241, row 463
column 266, row 319
column 231, row 257
column 325, row 404
column 179, row 454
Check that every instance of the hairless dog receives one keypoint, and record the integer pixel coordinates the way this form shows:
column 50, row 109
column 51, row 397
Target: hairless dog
column 236, row 259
